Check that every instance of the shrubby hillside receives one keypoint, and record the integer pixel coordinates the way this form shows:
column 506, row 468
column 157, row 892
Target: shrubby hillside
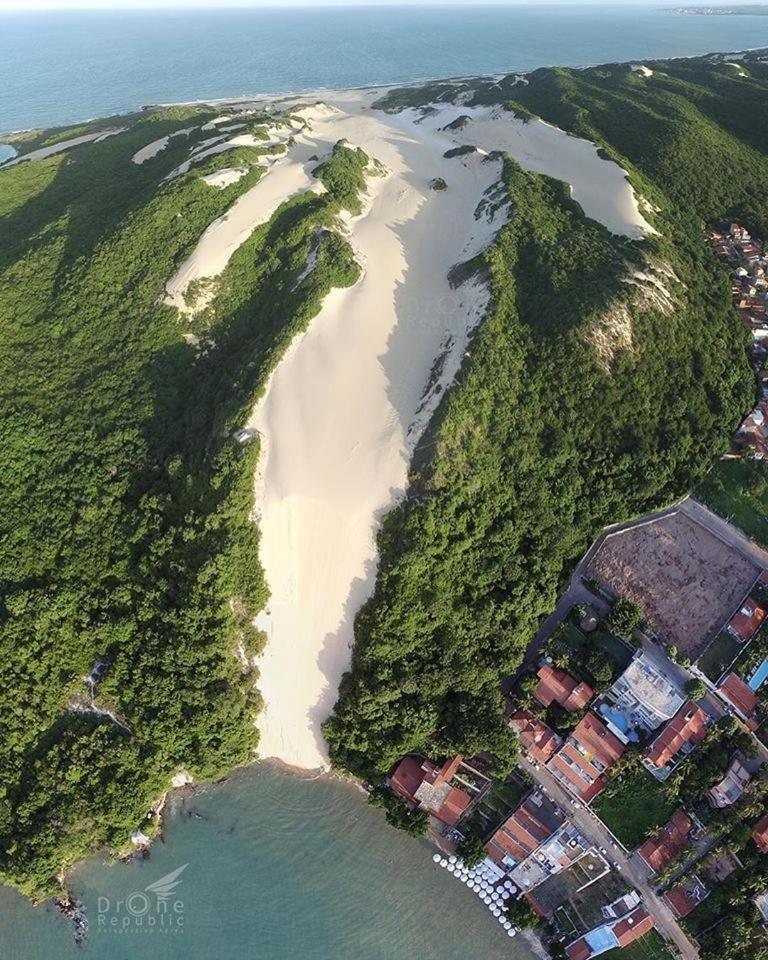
column 586, row 399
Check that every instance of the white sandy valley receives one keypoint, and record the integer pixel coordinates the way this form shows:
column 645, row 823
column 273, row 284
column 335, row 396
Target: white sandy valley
column 348, row 401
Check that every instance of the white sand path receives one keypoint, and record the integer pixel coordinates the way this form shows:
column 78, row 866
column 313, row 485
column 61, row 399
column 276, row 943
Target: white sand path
column 157, row 146
column 345, row 405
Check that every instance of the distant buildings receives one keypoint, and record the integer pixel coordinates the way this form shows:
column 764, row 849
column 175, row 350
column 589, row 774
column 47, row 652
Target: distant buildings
column 681, row 735
column 760, row 834
column 747, row 619
column 668, row 843
column 741, row 697
column 583, row 760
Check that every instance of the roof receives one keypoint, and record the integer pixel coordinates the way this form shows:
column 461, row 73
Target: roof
column 760, row 834
column 585, row 756
column 422, row 782
column 557, row 686
column 739, row 694
column 579, row 950
column 662, row 849
column 687, row 897
column 523, row 832
column 537, row 739
column 687, row 728
column 731, row 787
column 648, row 683
column 747, row 619
column 633, row 926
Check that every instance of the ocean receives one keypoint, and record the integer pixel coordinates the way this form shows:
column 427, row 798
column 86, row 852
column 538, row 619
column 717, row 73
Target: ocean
column 63, row 67
column 274, row 867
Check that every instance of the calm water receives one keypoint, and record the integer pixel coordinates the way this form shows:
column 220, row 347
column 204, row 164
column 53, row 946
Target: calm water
column 278, row 867
column 68, row 66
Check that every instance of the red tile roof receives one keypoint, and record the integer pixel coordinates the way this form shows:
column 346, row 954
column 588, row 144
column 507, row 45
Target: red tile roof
column 557, row 686
column 412, row 772
column 409, row 775
column 537, row 739
column 662, row 849
column 587, row 753
column 635, row 925
column 739, row 694
column 579, row 950
column 453, row 807
column 747, row 619
column 760, row 835
column 525, row 830
column 686, row 897
column 688, row 726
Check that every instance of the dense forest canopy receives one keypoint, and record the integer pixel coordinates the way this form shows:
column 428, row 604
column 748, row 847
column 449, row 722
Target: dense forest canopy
column 126, row 499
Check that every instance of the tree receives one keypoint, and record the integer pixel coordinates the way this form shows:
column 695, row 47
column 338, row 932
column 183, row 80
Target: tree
column 522, row 915
column 471, row 849
column 625, row 617
column 696, row 689
column 399, row 815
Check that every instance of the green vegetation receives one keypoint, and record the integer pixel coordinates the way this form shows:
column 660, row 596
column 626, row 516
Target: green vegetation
column 526, row 472
column 470, row 848
column 126, row 503
column 413, row 822
column 461, row 151
column 438, row 184
column 719, row 655
column 696, row 689
column 738, row 491
column 597, row 657
column 634, row 805
column 624, row 618
column 522, row 915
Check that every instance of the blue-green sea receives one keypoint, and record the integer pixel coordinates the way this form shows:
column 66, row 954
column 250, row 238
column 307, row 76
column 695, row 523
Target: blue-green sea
column 275, row 867
column 67, row 66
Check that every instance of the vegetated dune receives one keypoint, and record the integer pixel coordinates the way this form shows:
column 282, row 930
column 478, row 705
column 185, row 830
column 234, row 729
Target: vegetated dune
column 62, row 145
column 348, row 401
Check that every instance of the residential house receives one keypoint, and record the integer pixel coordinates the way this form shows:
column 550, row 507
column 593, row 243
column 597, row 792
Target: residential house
column 557, row 686
column 425, row 784
column 761, row 902
column 583, row 760
column 668, row 843
column 522, row 833
column 679, row 738
column 644, row 696
column 686, row 897
column 760, row 834
column 745, row 622
column 537, row 739
column 733, row 784
column 741, row 697
column 609, row 936
column 557, row 853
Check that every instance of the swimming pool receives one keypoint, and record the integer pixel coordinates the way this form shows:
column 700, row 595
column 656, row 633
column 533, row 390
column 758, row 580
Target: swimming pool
column 759, row 676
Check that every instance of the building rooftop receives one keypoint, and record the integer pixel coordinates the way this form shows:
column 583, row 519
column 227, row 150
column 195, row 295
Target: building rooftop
column 647, row 691
column 536, row 738
column 557, row 686
column 747, row 619
column 732, row 786
column 686, row 897
column 662, row 848
column 684, row 731
column 523, row 832
column 608, row 936
column 740, row 695
column 421, row 782
column 686, row 580
column 589, row 751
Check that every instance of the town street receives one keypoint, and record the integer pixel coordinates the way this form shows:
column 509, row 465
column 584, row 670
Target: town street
column 630, row 866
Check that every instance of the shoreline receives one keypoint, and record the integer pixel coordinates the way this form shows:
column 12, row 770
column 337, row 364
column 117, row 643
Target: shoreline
column 326, row 91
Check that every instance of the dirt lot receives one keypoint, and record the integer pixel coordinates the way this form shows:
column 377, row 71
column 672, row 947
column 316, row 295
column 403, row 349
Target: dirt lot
column 687, row 581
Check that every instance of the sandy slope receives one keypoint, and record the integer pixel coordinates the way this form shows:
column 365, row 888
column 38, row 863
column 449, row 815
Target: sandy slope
column 345, row 405
column 62, row 145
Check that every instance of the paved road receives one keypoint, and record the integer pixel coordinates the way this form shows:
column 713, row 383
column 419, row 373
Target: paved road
column 631, row 867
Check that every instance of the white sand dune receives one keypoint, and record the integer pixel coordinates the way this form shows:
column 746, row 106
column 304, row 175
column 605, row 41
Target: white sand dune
column 348, row 401
column 225, row 178
column 65, row 145
column 157, row 146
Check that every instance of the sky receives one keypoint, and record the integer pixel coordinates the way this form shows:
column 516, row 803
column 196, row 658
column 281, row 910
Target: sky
column 148, row 4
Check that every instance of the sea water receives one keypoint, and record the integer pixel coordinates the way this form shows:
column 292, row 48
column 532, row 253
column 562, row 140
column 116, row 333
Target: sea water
column 67, row 66
column 275, row 866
